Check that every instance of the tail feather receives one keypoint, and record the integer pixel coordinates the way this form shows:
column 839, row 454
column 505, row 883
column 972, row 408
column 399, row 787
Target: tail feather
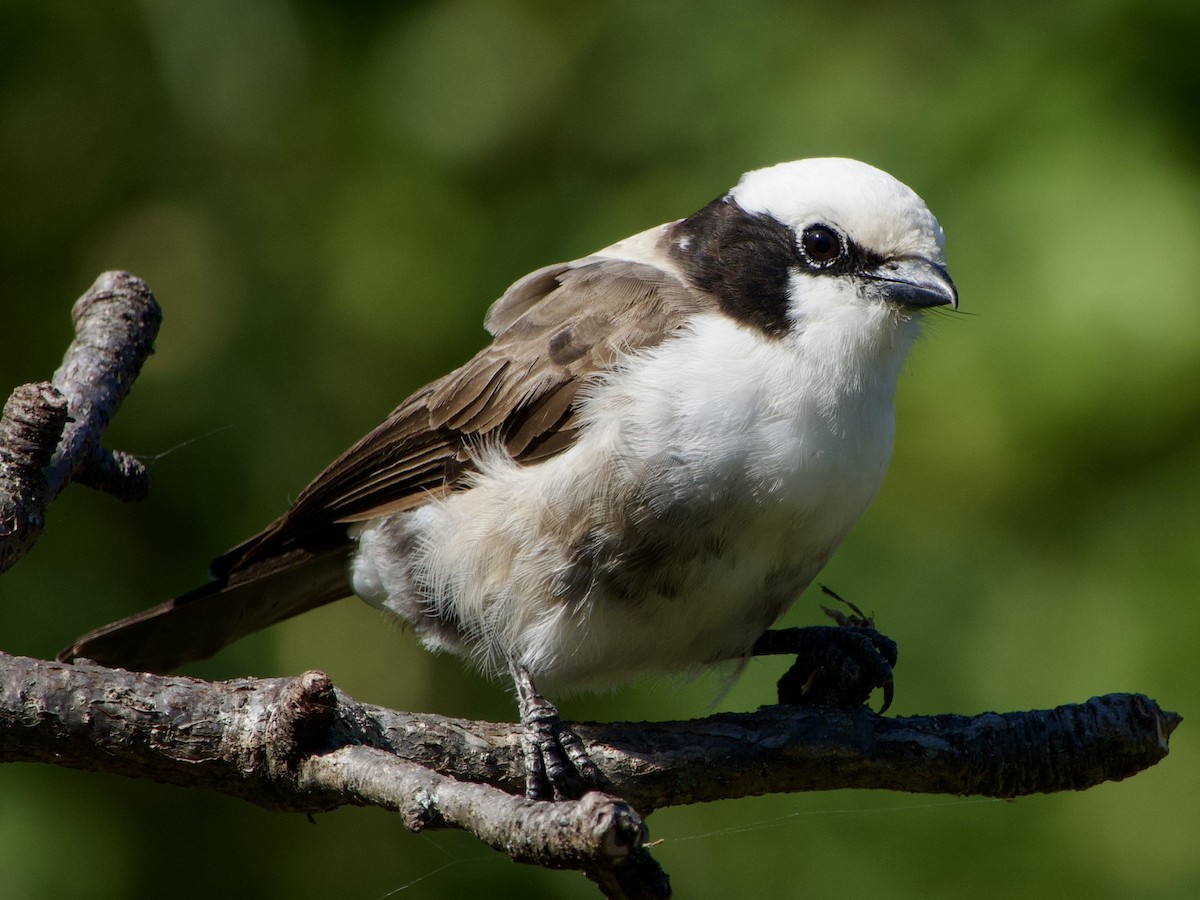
column 197, row 624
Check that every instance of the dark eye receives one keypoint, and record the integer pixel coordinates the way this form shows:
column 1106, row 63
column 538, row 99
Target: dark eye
column 821, row 244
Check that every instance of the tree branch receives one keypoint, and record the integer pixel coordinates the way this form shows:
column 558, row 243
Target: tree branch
column 300, row 745
column 30, row 429
column 50, row 432
column 282, row 743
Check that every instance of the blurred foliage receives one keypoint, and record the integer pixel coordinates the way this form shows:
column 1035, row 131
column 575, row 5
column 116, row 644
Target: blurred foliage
column 325, row 197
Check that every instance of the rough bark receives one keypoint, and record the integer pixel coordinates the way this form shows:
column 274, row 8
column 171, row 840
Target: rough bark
column 50, row 432
column 294, row 743
column 298, row 744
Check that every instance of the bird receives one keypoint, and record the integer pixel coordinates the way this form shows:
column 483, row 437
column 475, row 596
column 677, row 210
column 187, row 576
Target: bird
column 662, row 445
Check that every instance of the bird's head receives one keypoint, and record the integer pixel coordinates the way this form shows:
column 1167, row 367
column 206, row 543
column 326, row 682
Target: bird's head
column 802, row 236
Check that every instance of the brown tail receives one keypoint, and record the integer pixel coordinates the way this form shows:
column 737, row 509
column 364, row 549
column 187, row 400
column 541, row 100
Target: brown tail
column 197, row 624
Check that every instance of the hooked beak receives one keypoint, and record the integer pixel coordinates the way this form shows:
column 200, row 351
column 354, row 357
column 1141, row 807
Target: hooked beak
column 913, row 282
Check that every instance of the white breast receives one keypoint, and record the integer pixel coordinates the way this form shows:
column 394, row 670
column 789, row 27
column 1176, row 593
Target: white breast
column 715, row 476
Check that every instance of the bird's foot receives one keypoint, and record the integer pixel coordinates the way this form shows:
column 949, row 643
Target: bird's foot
column 836, row 665
column 557, row 765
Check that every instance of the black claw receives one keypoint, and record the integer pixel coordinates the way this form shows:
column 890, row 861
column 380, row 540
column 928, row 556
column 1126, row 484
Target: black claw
column 836, row 666
column 888, row 692
column 859, row 620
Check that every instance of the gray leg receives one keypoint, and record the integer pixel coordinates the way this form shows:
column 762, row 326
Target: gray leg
column 556, row 764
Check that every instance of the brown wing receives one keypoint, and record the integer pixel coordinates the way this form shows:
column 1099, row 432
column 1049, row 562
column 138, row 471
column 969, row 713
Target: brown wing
column 555, row 328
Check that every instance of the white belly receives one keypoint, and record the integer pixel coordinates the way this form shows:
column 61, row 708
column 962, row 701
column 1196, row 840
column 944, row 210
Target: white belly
column 710, row 485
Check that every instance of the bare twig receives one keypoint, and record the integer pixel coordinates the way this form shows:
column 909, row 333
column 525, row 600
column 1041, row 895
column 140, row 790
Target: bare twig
column 30, row 429
column 225, row 736
column 300, row 745
column 114, row 472
column 116, row 322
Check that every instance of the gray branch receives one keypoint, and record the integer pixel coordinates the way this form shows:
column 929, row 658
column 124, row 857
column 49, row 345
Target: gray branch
column 30, row 429
column 300, row 745
column 50, row 432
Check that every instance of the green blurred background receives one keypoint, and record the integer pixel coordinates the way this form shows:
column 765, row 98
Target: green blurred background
column 325, row 197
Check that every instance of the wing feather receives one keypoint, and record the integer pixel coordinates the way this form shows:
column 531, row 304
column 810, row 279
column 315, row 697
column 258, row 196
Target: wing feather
column 554, row 329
